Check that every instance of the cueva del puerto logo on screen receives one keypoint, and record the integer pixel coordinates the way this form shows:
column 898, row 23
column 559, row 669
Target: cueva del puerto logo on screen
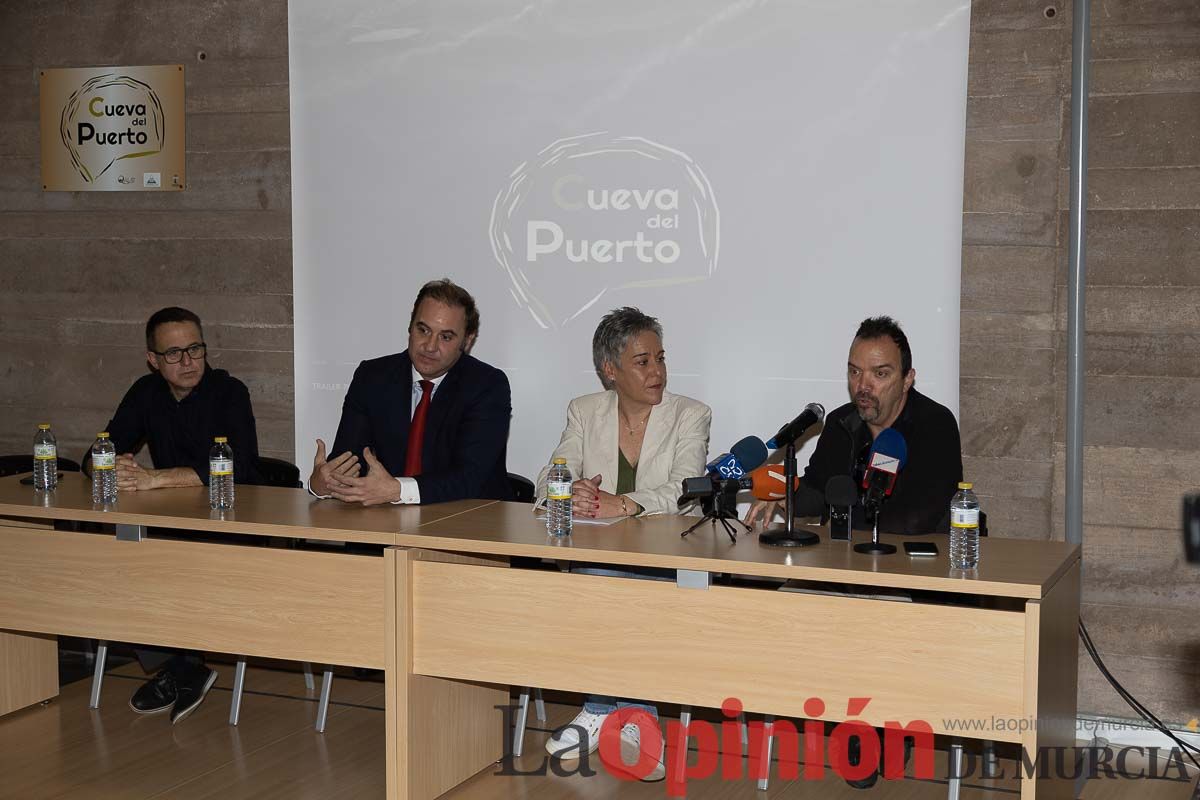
column 596, row 212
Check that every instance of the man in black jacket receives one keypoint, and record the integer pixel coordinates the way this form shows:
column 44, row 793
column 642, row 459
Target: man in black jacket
column 880, row 379
column 879, row 376
column 430, row 424
column 178, row 409
column 175, row 412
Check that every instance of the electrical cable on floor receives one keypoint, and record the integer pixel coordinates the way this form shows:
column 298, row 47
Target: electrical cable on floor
column 1145, row 713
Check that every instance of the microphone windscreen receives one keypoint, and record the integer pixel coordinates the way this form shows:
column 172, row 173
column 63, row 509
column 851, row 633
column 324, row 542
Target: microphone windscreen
column 890, row 442
column 750, row 453
column 768, row 482
column 841, row 491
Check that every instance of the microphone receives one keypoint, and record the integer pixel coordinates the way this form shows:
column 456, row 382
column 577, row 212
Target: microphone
column 889, row 454
column 840, row 494
column 768, row 482
column 746, row 455
column 812, row 414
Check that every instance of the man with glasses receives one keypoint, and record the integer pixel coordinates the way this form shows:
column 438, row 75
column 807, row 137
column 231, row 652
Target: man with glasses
column 175, row 412
column 178, row 408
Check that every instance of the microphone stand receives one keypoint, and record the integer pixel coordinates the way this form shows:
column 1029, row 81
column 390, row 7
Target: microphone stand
column 723, row 509
column 875, row 547
column 786, row 535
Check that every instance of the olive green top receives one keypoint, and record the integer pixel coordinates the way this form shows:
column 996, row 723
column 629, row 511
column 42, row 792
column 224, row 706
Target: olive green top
column 626, row 474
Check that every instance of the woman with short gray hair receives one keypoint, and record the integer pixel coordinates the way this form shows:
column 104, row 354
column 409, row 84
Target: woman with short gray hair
column 630, row 447
column 613, row 334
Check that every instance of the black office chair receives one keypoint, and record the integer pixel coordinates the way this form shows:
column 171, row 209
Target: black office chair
column 522, row 488
column 16, row 465
column 523, row 492
column 277, row 472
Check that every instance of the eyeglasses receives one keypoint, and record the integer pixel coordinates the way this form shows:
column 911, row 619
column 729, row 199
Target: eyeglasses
column 173, row 356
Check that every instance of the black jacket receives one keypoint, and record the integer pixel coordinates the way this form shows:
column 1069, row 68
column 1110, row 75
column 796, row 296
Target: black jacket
column 466, row 432
column 180, row 433
column 920, row 502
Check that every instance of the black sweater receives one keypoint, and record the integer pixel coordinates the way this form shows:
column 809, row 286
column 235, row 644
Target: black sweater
column 920, row 502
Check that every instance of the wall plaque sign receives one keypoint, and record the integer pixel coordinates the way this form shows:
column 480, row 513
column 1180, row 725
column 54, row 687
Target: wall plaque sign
column 113, row 129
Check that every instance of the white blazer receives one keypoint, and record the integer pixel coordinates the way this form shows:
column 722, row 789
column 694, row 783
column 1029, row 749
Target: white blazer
column 674, row 448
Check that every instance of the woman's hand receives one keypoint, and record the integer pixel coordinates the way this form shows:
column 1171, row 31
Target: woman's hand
column 590, row 501
column 585, row 497
column 611, row 506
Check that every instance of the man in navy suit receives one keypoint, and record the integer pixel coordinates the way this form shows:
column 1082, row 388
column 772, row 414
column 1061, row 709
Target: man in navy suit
column 430, row 424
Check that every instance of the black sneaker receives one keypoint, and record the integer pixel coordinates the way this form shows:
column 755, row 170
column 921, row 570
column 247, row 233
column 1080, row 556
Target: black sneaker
column 853, row 758
column 854, row 755
column 191, row 692
column 155, row 695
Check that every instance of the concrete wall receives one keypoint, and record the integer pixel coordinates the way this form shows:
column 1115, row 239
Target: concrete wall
column 80, row 272
column 1142, row 421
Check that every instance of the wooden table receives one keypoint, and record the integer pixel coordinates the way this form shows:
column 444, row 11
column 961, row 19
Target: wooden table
column 997, row 645
column 453, row 625
column 310, row 605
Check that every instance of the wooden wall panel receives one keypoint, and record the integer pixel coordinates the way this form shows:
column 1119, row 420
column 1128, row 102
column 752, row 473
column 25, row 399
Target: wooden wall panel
column 81, row 271
column 1143, row 248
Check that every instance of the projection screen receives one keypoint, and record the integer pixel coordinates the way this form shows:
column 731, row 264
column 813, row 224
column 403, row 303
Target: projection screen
column 760, row 176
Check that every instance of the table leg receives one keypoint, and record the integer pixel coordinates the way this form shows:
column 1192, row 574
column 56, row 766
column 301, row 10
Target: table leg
column 439, row 731
column 28, row 669
column 1051, row 682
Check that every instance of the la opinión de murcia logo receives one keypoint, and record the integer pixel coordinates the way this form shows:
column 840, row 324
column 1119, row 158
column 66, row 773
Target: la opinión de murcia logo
column 597, row 212
column 110, row 118
column 702, row 749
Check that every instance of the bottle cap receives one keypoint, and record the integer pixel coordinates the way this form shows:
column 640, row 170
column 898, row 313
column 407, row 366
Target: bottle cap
column 102, row 435
column 45, row 426
column 965, row 485
column 559, row 461
column 220, row 439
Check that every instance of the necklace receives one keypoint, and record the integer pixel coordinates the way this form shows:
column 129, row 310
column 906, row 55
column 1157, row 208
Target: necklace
column 633, row 430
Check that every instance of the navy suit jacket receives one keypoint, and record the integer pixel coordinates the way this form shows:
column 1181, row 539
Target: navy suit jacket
column 466, row 430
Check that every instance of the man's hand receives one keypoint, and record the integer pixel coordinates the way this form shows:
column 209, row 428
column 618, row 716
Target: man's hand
column 376, row 487
column 585, row 497
column 762, row 511
column 329, row 475
column 132, row 476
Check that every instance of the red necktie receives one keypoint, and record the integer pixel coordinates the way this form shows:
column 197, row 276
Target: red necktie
column 416, row 432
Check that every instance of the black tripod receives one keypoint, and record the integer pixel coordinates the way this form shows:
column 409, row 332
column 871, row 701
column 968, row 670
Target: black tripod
column 786, row 535
column 720, row 506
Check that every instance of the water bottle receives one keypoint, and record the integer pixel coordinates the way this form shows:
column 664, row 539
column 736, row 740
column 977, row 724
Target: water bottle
column 558, row 499
column 45, row 460
column 104, row 470
column 964, row 528
column 220, row 475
